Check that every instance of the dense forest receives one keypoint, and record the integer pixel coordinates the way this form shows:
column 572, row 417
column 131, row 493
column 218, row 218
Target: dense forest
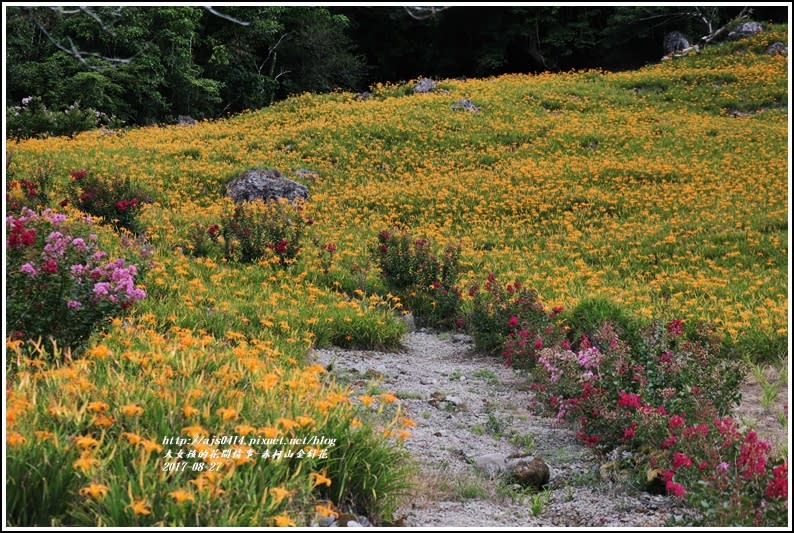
column 143, row 65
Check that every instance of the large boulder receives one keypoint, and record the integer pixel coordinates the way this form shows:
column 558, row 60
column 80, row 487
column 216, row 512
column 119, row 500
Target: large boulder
column 777, row 48
column 264, row 184
column 425, row 85
column 675, row 41
column 745, row 29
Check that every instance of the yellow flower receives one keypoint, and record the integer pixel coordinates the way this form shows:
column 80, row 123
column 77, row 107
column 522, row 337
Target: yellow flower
column 97, row 407
column 268, row 432
column 189, row 411
column 325, row 510
column 278, row 493
column 404, row 435
column 304, row 421
column 131, row 410
column 408, row 423
column 95, row 491
column 85, row 462
column 182, row 496
column 244, row 429
column 283, row 520
column 367, row 400
column 132, row 438
column 140, row 507
column 388, row 397
column 13, row 345
column 319, row 479
column 227, row 414
column 15, row 439
column 86, row 441
column 151, row 446
column 355, row 423
column 286, row 423
column 194, row 430
column 103, row 421
column 44, row 435
column 100, row 351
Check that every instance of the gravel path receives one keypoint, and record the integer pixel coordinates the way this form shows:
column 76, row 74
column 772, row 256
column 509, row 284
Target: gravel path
column 467, row 406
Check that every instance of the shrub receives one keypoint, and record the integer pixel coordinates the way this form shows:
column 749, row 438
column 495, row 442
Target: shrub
column 60, row 285
column 258, row 229
column 31, row 192
column 117, row 202
column 424, row 277
column 589, row 315
column 501, row 313
column 33, row 119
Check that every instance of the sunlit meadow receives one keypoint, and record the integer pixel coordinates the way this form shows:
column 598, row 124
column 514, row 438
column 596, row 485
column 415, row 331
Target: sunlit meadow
column 663, row 189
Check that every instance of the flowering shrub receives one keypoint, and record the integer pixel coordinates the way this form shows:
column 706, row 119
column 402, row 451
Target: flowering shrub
column 255, row 230
column 60, row 284
column 117, row 202
column 729, row 475
column 423, row 278
column 33, row 119
column 31, row 191
column 509, row 318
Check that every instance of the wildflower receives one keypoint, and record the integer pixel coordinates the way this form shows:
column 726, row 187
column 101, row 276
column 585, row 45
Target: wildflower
column 627, row 399
column 722, row 467
column 278, row 494
column 388, row 397
column 131, row 410
column 86, row 441
column 99, row 351
column 226, row 414
column 73, row 304
column 188, row 411
column 181, row 496
column 140, row 507
column 104, row 421
column 28, row 269
column 325, row 510
column 14, row 439
column 150, row 446
column 367, row 400
column 778, row 485
column 681, row 459
column 283, row 520
column 44, row 435
column 676, row 489
column 85, row 462
column 95, row 491
column 669, row 441
column 513, row 322
column 132, row 438
column 319, row 479
column 675, row 328
column 675, row 422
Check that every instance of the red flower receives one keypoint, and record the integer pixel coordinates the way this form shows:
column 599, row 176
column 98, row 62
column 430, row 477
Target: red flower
column 538, row 343
column 669, row 441
column 281, row 247
column 50, row 266
column 78, row 174
column 778, row 485
column 629, row 432
column 330, row 247
column 681, row 459
column 64, row 202
column 676, row 489
column 213, row 229
column 513, row 322
column 675, row 421
column 675, row 328
column 629, row 399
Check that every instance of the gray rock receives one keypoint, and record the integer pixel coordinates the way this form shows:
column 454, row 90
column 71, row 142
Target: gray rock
column 363, row 96
column 425, row 85
column 746, row 29
column 465, row 105
column 326, row 521
column 492, row 464
column 454, row 400
column 353, row 523
column 264, row 184
column 675, row 41
column 777, row 48
column 462, row 337
column 185, row 120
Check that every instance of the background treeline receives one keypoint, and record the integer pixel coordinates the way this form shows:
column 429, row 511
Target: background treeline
column 144, row 65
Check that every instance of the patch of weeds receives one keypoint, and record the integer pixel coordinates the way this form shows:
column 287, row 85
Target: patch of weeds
column 487, row 375
column 497, row 426
column 539, row 501
column 470, row 489
column 456, row 375
column 525, row 442
column 408, row 395
column 769, row 393
column 478, row 430
column 425, row 414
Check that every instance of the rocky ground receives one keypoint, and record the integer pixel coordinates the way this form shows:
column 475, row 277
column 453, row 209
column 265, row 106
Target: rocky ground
column 469, row 411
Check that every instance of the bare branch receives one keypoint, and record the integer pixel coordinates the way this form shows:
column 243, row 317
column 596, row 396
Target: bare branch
column 271, row 51
column 424, row 12
column 226, row 17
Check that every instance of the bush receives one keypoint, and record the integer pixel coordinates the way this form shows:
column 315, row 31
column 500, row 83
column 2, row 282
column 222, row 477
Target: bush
column 60, row 285
column 589, row 315
column 117, row 202
column 423, row 277
column 501, row 313
column 33, row 119
column 31, row 192
column 255, row 230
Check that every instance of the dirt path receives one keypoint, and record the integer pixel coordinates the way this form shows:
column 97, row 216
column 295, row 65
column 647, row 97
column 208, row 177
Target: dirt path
column 467, row 406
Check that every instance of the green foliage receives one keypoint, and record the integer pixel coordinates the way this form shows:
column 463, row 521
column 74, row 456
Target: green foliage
column 33, row 119
column 424, row 278
column 31, row 191
column 589, row 315
column 117, row 201
column 254, row 230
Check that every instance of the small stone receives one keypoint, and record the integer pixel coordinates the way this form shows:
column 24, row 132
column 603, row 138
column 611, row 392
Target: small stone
column 454, row 400
column 410, row 324
column 186, row 120
column 465, row 105
column 326, row 521
column 777, row 48
column 363, row 96
column 461, row 337
column 746, row 29
column 354, row 523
